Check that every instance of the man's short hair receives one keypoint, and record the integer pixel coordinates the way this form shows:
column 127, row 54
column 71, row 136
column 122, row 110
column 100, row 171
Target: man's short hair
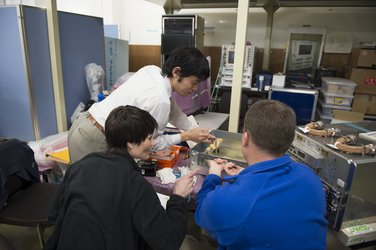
column 271, row 125
column 128, row 124
column 191, row 62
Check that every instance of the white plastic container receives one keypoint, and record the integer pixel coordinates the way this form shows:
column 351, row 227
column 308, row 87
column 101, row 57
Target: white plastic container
column 326, row 119
column 339, row 86
column 335, row 99
column 327, row 109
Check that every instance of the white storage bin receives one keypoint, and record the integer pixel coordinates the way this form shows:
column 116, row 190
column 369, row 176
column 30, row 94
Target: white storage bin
column 336, row 85
column 336, row 99
column 327, row 109
column 326, row 119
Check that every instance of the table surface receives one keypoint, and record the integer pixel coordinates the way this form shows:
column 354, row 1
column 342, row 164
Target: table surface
column 166, row 189
column 210, row 120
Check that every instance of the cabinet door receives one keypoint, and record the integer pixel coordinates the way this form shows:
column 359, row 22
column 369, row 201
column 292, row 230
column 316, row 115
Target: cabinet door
column 15, row 105
column 81, row 43
column 36, row 37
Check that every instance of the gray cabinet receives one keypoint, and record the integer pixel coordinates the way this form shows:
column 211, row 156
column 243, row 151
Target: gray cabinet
column 27, row 108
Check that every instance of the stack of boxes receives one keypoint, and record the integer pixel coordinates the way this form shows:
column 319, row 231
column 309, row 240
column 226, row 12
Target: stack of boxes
column 335, row 94
column 363, row 71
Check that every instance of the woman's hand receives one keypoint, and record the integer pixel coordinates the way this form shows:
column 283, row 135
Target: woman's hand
column 184, row 185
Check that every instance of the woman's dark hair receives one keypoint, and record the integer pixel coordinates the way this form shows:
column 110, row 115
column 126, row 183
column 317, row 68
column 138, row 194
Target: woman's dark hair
column 191, row 62
column 128, row 124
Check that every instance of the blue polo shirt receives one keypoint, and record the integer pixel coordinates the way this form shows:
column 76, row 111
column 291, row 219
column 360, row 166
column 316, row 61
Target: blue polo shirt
column 275, row 204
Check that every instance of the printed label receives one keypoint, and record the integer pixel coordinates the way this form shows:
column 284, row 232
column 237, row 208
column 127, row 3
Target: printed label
column 360, row 229
column 337, row 100
column 370, row 81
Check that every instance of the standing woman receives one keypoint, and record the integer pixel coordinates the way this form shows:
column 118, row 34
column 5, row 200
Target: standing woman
column 105, row 202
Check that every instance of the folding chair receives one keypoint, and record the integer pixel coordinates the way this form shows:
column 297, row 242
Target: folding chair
column 25, row 201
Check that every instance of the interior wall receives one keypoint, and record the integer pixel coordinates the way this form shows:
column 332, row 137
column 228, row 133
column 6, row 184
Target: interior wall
column 144, row 28
column 357, row 22
column 142, row 55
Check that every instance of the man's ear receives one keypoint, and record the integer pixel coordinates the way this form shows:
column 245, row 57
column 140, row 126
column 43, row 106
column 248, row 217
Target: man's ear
column 130, row 145
column 176, row 72
column 245, row 139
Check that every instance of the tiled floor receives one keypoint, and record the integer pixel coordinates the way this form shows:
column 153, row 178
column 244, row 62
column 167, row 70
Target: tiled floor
column 23, row 238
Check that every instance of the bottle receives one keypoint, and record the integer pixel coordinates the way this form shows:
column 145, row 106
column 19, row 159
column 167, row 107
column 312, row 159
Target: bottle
column 261, row 83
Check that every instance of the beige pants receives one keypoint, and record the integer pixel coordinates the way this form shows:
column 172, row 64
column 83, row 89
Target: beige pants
column 84, row 138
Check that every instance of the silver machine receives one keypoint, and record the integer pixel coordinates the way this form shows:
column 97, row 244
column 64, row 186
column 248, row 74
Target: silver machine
column 349, row 181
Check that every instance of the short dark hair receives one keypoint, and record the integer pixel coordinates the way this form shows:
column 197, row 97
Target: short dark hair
column 271, row 125
column 191, row 62
column 128, row 124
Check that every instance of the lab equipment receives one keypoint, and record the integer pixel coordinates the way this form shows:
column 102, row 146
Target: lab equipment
column 348, row 179
column 303, row 101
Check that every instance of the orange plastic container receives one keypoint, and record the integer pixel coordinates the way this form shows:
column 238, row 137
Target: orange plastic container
column 167, row 161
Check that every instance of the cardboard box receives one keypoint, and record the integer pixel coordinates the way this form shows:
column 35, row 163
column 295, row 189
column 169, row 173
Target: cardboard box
column 351, row 116
column 364, row 103
column 363, row 58
column 365, row 79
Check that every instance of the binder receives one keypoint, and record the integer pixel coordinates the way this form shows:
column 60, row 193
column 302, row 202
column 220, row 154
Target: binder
column 61, row 155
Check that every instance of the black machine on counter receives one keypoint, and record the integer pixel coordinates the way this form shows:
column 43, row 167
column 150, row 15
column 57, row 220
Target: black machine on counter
column 349, row 181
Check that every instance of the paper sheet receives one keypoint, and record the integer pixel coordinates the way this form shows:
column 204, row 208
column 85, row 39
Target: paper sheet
column 61, row 155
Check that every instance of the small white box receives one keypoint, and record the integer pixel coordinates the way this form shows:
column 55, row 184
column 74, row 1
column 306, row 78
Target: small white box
column 278, row 80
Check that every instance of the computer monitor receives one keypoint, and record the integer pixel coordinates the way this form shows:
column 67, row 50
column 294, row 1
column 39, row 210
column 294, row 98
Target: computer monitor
column 230, row 56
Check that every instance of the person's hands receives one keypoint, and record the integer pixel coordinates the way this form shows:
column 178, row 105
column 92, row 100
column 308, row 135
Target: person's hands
column 209, row 139
column 197, row 135
column 216, row 166
column 232, row 169
column 184, row 185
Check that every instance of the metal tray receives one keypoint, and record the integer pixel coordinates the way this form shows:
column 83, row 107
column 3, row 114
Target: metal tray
column 230, row 149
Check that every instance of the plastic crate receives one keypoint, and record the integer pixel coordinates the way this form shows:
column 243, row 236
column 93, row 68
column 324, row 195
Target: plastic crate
column 327, row 109
column 335, row 99
column 336, row 85
column 167, row 161
column 326, row 119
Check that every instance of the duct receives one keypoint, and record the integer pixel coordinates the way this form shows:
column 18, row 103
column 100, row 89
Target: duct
column 196, row 4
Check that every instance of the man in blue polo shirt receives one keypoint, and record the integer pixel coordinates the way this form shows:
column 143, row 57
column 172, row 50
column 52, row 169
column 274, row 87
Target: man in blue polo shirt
column 274, row 203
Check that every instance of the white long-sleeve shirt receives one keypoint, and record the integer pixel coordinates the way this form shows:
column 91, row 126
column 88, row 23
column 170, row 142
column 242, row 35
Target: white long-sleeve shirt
column 149, row 90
